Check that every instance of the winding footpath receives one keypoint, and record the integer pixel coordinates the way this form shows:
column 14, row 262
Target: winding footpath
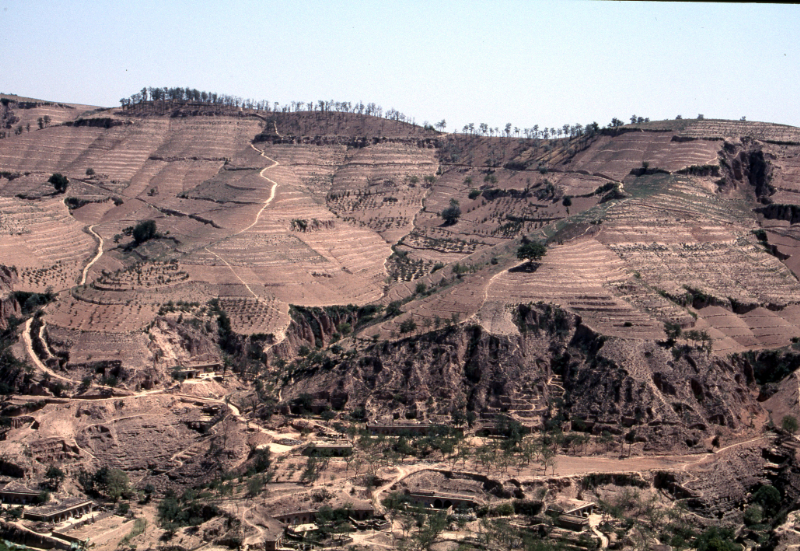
column 96, row 257
column 272, row 191
column 257, row 218
column 26, row 336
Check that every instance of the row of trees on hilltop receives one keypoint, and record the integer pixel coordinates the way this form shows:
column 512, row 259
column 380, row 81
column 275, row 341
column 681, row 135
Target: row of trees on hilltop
column 178, row 96
column 534, row 132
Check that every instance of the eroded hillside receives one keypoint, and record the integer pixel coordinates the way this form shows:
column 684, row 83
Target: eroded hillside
column 211, row 275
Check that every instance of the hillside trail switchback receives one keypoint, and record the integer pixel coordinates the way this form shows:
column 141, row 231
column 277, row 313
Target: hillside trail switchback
column 255, row 221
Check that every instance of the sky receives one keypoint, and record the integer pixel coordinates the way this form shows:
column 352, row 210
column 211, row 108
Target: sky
column 494, row 62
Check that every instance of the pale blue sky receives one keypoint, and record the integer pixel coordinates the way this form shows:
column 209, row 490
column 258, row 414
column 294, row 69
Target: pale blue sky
column 526, row 62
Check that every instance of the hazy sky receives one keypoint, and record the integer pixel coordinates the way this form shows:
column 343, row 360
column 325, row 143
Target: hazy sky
column 545, row 63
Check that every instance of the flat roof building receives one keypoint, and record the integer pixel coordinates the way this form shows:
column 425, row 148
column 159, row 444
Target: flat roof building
column 14, row 492
column 58, row 512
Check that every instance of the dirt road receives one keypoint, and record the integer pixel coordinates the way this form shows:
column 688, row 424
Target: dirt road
column 26, row 337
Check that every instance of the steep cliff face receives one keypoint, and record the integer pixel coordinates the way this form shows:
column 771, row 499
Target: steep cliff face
column 745, row 165
column 667, row 397
column 555, row 372
column 8, row 305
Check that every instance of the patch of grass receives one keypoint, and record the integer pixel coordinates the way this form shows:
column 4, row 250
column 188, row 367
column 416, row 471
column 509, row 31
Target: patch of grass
column 138, row 529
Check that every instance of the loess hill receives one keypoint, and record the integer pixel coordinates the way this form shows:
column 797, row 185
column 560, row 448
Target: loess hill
column 307, row 253
column 675, row 222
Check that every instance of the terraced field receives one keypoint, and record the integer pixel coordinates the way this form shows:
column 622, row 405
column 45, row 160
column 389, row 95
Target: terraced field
column 44, row 241
column 383, row 187
column 263, row 212
column 261, row 315
column 738, row 129
column 614, row 157
column 28, row 111
column 582, row 277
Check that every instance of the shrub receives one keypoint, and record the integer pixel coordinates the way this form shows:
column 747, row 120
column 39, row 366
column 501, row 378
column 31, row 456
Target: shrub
column 789, row 424
column 753, row 515
column 502, row 510
column 717, row 539
column 474, row 193
column 186, row 511
column 358, row 414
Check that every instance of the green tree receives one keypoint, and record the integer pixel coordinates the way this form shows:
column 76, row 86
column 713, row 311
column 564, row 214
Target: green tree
column 311, row 472
column 673, row 330
column 144, row 230
column 531, row 250
column 452, row 213
column 112, row 482
column 408, row 326
column 430, row 530
column 394, row 309
column 717, row 539
column 59, row 182
column 769, row 498
column 789, row 424
column 55, row 477
column 255, row 485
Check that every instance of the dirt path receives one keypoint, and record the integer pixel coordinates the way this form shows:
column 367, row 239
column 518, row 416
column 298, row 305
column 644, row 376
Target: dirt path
column 271, row 193
column 233, row 272
column 403, row 472
column 252, row 540
column 722, row 449
column 44, row 341
column 594, row 522
column 96, row 257
column 26, row 337
column 258, row 216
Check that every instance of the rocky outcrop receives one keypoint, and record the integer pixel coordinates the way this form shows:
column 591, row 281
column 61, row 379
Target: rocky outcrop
column 746, row 165
column 9, row 307
column 557, row 370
